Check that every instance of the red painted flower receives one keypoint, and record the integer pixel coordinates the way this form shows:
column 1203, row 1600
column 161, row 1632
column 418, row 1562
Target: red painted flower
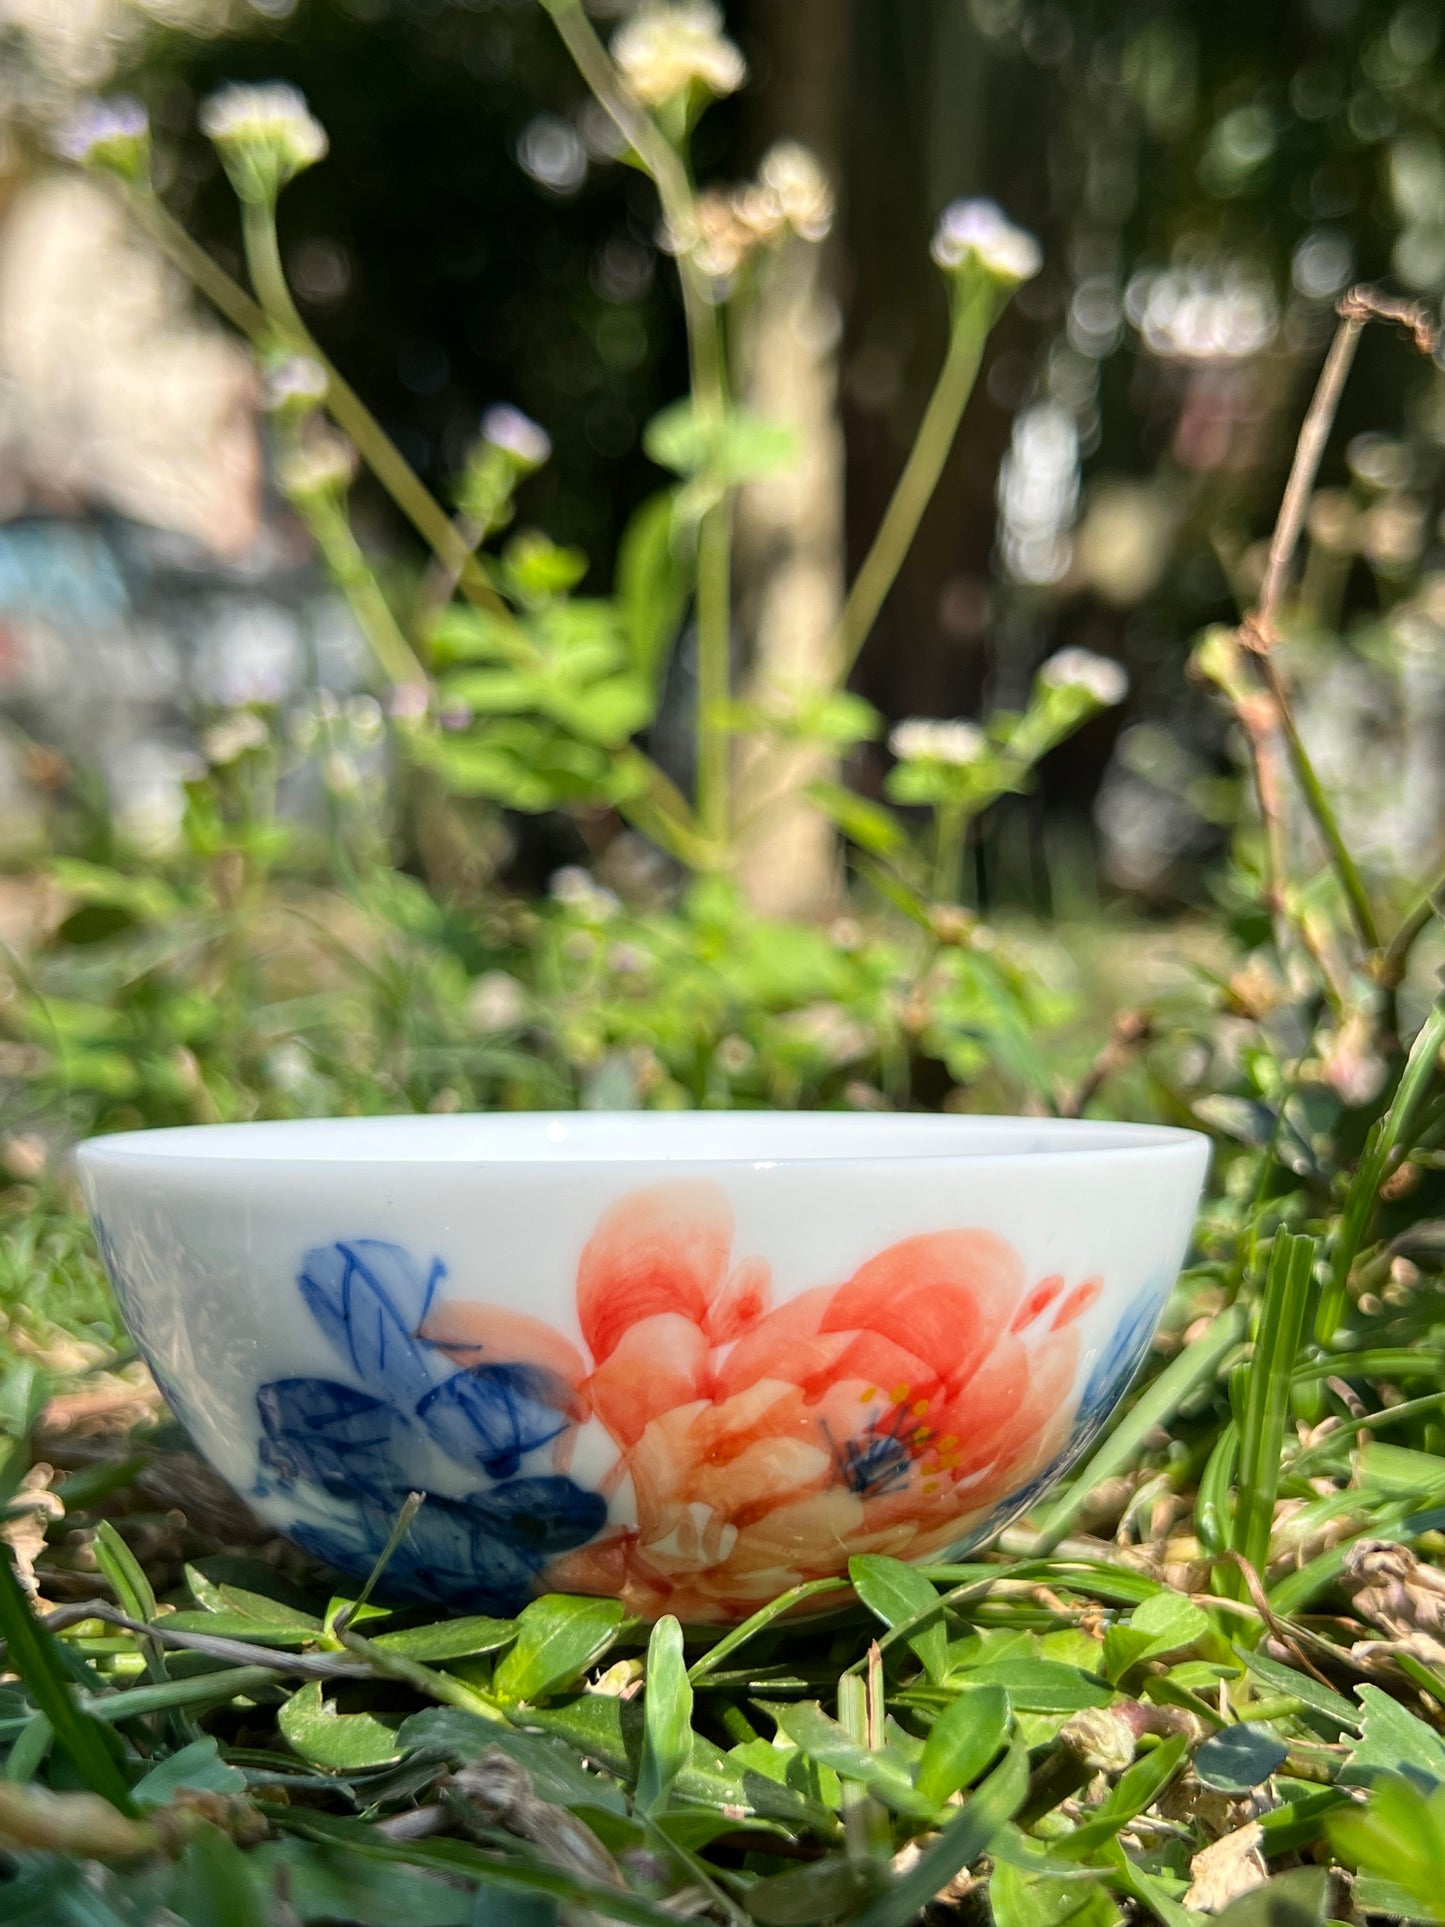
column 764, row 1447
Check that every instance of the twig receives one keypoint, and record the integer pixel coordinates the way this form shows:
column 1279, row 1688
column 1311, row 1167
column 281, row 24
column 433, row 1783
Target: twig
column 1131, row 1031
column 1396, row 959
column 236, row 1652
column 1259, row 631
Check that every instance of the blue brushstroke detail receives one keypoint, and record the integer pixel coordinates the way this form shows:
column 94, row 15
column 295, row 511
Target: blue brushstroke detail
column 370, row 1299
column 484, row 1552
column 493, row 1415
column 878, row 1460
column 365, row 1446
column 341, row 1439
column 1120, row 1359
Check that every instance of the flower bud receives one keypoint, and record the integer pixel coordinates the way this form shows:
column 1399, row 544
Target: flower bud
column 979, row 234
column 294, row 387
column 265, row 135
column 1102, row 680
column 516, row 436
column 923, row 739
column 111, row 137
column 664, row 53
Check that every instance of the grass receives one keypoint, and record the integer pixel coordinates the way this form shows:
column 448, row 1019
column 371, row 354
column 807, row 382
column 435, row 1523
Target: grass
column 1197, row 1635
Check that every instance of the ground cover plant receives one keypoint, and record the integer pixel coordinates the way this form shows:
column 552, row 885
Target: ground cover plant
column 1204, row 1678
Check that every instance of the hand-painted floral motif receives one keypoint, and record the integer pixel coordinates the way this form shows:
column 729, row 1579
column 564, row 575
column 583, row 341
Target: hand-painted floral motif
column 916, row 1403
column 765, row 1446
column 396, row 1426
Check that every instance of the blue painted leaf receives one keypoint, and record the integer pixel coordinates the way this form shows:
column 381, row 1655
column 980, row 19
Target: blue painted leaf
column 541, row 1516
column 339, row 1438
column 1118, row 1362
column 370, row 1298
column 493, row 1415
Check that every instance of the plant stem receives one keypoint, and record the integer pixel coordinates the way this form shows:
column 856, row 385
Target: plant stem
column 349, row 411
column 347, row 562
column 1259, row 631
column 1321, row 809
column 920, row 477
column 707, row 361
column 950, row 823
column 212, row 280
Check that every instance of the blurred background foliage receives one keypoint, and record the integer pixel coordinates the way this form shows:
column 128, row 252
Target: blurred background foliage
column 1204, row 185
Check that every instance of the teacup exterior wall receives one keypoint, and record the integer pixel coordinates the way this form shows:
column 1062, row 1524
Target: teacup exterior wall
column 686, row 1360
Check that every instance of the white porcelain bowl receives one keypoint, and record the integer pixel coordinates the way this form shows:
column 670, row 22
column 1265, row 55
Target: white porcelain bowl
column 686, row 1358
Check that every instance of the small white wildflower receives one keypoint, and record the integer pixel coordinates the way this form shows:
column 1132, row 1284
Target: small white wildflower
column 265, row 135
column 1106, row 681
column 496, row 1002
column 231, row 738
column 517, row 436
column 663, row 51
column 576, row 889
column 980, row 231
column 720, row 234
column 323, row 465
column 924, row 739
column 113, row 136
column 799, row 189
column 294, row 386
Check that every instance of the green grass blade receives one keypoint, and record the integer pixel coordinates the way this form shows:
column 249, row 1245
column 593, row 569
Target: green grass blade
column 31, row 1652
column 961, row 1843
column 1194, row 1365
column 1266, row 1403
column 1364, row 1191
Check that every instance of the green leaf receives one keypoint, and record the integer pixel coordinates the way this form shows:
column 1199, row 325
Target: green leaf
column 966, row 1736
column 121, row 1567
column 216, row 1883
column 448, row 1639
column 653, row 584
column 962, row 1842
column 227, row 1625
column 1132, row 1793
column 1240, row 1757
column 33, row 1653
column 1398, row 1835
column 830, row 1889
column 667, row 1735
column 1019, row 1898
column 491, row 692
column 536, row 568
column 314, row 1728
column 610, row 1732
column 198, row 1765
column 1038, row 1685
column 1392, row 1740
column 741, row 448
column 1319, row 1698
column 868, row 824
column 556, row 1772
column 899, row 1595
column 1165, row 1623
column 332, row 1884
column 558, row 1638
column 1298, row 1898
column 824, row 1740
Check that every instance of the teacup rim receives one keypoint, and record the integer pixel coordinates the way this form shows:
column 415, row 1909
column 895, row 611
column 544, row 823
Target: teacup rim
column 573, row 1140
